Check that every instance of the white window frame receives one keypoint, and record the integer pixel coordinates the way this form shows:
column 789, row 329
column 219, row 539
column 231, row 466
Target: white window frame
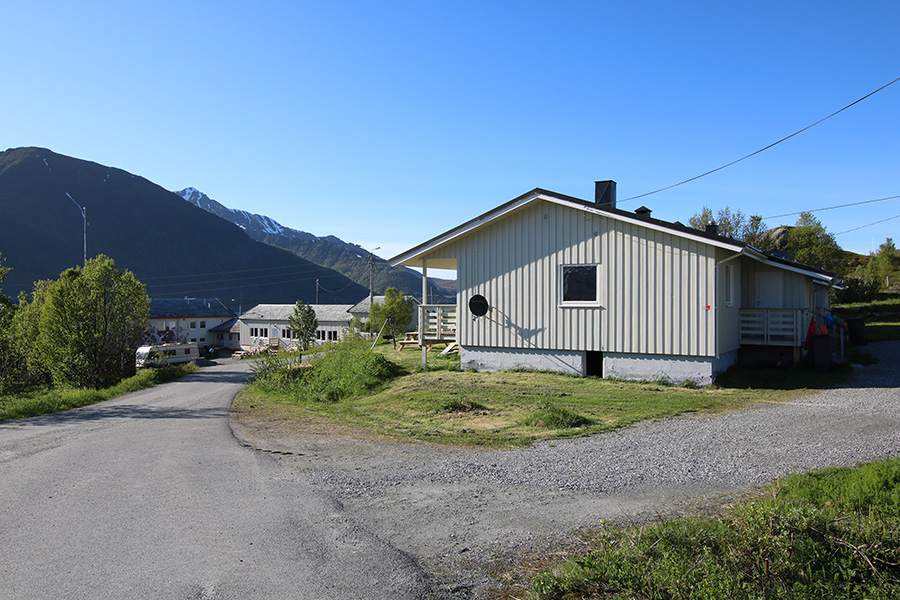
column 578, row 303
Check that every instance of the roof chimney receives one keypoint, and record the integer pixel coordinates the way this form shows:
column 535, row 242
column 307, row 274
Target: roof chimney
column 712, row 228
column 605, row 193
column 643, row 212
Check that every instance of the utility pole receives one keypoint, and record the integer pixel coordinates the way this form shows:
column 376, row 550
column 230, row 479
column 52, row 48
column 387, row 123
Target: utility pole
column 372, row 275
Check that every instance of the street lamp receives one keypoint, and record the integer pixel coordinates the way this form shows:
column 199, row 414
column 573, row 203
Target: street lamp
column 372, row 275
column 83, row 210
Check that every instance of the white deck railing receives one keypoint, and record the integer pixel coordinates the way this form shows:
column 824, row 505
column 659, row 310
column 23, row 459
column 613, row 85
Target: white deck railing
column 774, row 327
column 437, row 323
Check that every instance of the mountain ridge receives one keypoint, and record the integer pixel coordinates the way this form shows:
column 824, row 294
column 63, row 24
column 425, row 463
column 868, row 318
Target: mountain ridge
column 174, row 248
column 331, row 252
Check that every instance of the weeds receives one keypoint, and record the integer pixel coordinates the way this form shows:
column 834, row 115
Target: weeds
column 550, row 416
column 340, row 371
column 834, row 533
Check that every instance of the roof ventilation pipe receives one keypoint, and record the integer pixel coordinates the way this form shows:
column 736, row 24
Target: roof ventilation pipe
column 605, row 193
column 643, row 212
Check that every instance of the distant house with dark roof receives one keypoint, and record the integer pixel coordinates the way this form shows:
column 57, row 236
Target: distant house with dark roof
column 185, row 320
column 548, row 281
column 361, row 311
column 269, row 324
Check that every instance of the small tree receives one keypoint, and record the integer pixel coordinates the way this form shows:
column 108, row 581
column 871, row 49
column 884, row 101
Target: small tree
column 396, row 307
column 883, row 267
column 730, row 224
column 91, row 321
column 809, row 243
column 304, row 324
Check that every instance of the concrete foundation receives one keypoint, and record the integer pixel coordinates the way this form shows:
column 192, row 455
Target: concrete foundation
column 701, row 370
column 637, row 367
column 505, row 359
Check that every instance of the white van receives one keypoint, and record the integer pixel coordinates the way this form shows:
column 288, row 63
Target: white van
column 165, row 354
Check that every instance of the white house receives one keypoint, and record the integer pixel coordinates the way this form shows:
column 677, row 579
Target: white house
column 547, row 281
column 269, row 324
column 186, row 320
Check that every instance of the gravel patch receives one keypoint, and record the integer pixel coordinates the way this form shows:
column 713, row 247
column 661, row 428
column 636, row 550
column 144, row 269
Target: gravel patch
column 466, row 515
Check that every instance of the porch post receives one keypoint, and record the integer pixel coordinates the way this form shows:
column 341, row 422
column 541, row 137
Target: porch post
column 422, row 312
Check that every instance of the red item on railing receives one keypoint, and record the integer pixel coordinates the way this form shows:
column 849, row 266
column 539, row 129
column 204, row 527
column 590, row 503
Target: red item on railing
column 811, row 332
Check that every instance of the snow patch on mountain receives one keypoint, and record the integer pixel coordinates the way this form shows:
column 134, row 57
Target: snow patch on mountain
column 242, row 218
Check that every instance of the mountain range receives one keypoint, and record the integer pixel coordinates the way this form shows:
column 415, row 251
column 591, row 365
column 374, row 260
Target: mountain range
column 175, row 248
column 348, row 259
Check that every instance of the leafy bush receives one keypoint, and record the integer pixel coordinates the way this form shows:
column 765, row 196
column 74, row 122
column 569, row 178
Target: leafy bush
column 340, row 371
column 278, row 372
column 346, row 369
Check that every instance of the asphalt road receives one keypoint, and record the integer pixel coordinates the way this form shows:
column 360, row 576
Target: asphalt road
column 151, row 496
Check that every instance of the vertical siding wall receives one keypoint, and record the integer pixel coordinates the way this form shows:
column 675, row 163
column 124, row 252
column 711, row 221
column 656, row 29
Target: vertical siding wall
column 654, row 287
column 796, row 289
column 658, row 287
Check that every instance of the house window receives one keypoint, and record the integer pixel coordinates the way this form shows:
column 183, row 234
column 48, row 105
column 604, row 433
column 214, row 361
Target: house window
column 579, row 284
column 193, row 324
column 729, row 286
column 286, row 333
column 202, row 324
column 254, row 332
column 264, row 332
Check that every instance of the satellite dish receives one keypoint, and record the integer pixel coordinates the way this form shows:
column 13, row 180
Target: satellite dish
column 478, row 305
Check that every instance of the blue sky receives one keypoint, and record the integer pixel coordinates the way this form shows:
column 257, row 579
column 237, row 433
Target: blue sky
column 388, row 123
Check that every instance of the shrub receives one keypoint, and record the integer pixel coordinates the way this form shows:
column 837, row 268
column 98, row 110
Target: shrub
column 554, row 417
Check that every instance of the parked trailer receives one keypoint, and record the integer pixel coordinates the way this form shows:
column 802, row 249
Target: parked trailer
column 162, row 355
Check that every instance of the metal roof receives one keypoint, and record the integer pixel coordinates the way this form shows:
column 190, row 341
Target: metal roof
column 283, row 312
column 175, row 308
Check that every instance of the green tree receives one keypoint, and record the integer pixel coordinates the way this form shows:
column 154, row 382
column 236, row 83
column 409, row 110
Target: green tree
column 808, row 242
column 730, row 224
column 91, row 321
column 8, row 357
column 396, row 307
column 883, row 267
column 757, row 234
column 304, row 324
column 28, row 366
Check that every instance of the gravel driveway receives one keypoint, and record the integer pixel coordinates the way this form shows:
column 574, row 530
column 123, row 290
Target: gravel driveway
column 462, row 512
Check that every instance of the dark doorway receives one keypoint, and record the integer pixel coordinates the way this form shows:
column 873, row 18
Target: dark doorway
column 593, row 363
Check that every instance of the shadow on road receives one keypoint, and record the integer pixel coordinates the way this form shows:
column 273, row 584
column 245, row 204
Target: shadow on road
column 122, row 411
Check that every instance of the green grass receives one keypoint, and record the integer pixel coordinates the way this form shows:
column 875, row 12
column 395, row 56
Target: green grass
column 830, row 534
column 887, row 310
column 506, row 409
column 882, row 331
column 43, row 400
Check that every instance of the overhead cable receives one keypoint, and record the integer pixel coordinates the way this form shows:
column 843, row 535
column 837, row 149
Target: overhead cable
column 734, row 162
column 869, row 225
column 813, row 210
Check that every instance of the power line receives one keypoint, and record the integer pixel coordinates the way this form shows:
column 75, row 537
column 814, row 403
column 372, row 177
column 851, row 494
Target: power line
column 734, row 162
column 869, row 225
column 790, row 214
column 311, row 265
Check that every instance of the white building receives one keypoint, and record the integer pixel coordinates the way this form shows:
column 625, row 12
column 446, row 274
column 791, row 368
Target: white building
column 269, row 324
column 547, row 281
